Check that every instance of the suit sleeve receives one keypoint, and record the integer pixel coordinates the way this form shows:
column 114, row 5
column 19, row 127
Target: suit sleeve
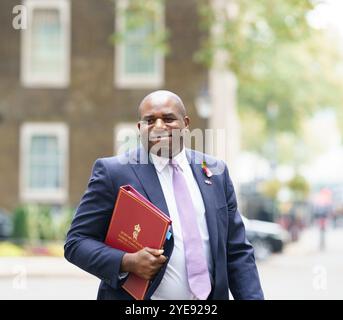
column 242, row 272
column 84, row 245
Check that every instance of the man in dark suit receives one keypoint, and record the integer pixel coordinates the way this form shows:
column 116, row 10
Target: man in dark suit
column 208, row 253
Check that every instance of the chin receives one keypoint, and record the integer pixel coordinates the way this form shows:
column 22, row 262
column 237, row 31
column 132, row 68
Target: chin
column 161, row 150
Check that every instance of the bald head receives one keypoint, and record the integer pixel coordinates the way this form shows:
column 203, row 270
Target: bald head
column 160, row 98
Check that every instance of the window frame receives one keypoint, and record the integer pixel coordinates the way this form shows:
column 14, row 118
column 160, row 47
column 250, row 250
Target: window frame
column 28, row 79
column 143, row 81
column 51, row 196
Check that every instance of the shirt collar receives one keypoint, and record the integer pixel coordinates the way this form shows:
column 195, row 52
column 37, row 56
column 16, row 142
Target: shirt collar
column 160, row 162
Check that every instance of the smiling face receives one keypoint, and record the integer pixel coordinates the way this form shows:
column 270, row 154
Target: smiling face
column 162, row 121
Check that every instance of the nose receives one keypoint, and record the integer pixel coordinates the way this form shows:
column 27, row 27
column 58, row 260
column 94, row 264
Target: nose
column 159, row 123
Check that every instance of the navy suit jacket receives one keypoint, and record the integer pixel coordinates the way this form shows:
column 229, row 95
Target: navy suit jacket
column 233, row 257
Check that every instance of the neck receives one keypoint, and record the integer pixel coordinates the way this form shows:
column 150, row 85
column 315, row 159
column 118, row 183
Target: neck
column 171, row 154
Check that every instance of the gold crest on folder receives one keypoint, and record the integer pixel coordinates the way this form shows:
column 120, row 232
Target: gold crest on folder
column 136, row 231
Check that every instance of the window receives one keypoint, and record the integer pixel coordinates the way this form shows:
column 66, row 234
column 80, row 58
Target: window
column 125, row 137
column 138, row 64
column 43, row 162
column 46, row 44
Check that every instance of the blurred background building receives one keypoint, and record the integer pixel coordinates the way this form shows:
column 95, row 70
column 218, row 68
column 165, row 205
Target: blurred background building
column 66, row 89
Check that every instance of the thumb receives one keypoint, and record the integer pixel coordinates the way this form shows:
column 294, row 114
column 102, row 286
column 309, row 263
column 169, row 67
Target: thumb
column 155, row 252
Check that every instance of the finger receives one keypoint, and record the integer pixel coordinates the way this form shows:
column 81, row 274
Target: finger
column 159, row 261
column 154, row 252
column 162, row 259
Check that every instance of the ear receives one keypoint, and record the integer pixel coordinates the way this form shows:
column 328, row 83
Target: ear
column 186, row 121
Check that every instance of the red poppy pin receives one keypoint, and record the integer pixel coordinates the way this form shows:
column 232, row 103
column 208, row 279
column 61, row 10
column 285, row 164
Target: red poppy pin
column 206, row 170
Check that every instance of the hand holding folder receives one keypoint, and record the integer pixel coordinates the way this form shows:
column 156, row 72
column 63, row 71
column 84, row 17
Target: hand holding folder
column 136, row 223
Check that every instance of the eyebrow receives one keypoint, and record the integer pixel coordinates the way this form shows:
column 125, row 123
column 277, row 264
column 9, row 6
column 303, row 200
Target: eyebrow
column 169, row 115
column 150, row 116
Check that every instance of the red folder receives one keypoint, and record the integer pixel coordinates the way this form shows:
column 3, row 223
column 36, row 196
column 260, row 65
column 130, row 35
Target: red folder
column 136, row 223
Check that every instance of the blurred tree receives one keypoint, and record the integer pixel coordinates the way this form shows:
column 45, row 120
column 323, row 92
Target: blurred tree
column 279, row 60
column 270, row 188
column 299, row 187
column 253, row 130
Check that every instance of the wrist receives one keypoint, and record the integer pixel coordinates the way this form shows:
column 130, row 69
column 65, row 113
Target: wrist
column 126, row 263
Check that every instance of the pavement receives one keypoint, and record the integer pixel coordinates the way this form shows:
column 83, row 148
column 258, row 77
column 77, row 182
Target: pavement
column 45, row 278
column 304, row 271
column 39, row 267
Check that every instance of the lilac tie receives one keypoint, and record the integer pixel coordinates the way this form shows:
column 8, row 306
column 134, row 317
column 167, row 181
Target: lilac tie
column 197, row 270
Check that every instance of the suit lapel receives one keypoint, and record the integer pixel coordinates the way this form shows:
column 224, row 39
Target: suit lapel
column 208, row 196
column 146, row 173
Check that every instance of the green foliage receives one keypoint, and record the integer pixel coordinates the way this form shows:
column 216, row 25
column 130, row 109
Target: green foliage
column 299, row 186
column 286, row 71
column 250, row 28
column 270, row 188
column 20, row 223
column 63, row 223
column 38, row 223
column 277, row 57
column 139, row 15
column 46, row 225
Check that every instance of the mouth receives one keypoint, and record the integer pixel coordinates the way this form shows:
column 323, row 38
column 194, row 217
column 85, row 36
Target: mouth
column 159, row 137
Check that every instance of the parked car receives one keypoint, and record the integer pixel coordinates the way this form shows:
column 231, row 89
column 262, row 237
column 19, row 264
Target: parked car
column 5, row 225
column 265, row 237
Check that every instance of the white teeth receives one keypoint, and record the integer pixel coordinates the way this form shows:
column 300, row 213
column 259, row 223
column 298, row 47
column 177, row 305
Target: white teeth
column 159, row 137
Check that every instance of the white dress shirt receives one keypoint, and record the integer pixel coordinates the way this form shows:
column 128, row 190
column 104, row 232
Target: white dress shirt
column 174, row 284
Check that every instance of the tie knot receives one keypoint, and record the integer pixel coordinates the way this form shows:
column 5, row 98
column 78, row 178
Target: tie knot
column 174, row 164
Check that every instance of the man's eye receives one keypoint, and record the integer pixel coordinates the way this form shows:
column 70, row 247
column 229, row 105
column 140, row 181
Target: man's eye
column 150, row 121
column 168, row 120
